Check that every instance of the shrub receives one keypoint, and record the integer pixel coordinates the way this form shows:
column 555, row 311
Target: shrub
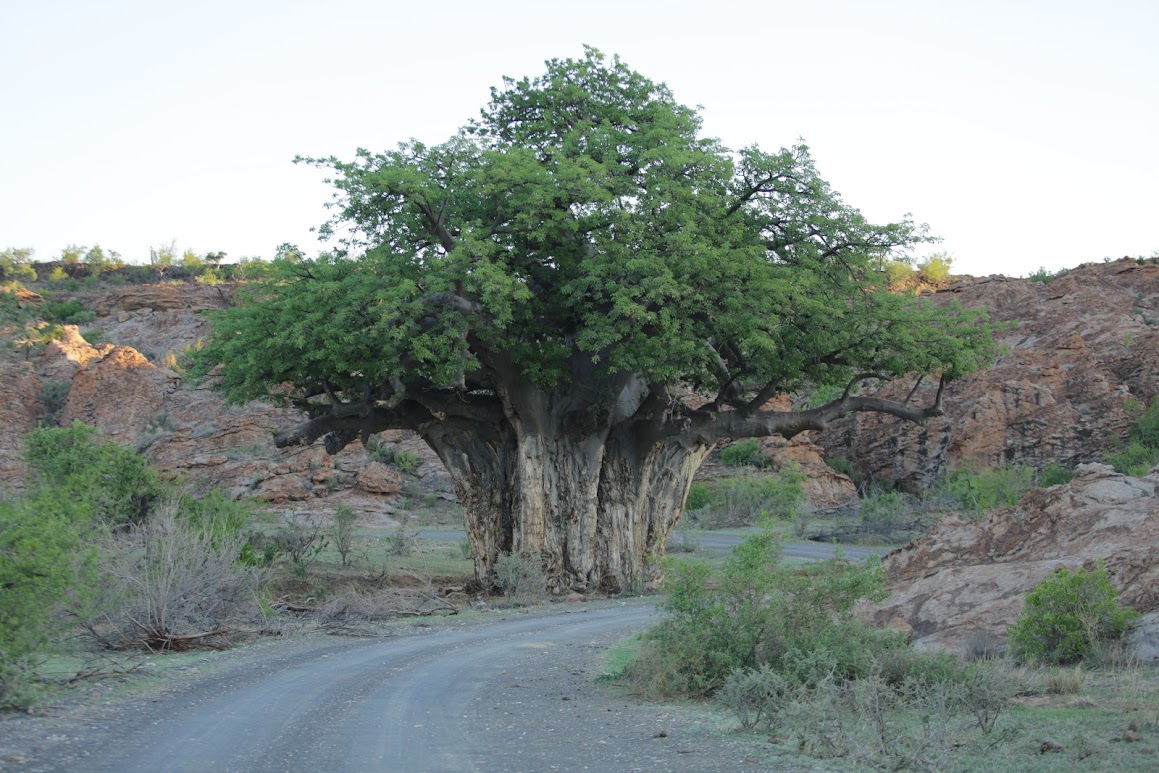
column 39, row 558
column 1135, row 460
column 935, row 269
column 758, row 613
column 983, row 491
column 1054, row 474
column 1145, row 430
column 841, row 465
column 1068, row 616
column 746, row 453
column 113, row 482
column 520, row 577
column 743, row 499
column 172, row 583
column 343, row 532
column 70, row 312
column 699, row 497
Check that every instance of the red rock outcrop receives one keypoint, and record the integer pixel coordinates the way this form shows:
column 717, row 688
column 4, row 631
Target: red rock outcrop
column 20, row 409
column 971, row 577
column 1078, row 358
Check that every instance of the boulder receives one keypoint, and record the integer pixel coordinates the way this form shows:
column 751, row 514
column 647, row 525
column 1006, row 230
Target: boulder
column 969, row 578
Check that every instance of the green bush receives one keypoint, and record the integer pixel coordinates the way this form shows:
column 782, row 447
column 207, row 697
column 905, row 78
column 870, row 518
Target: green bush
column 520, row 577
column 979, row 492
column 699, row 497
column 1068, row 616
column 841, row 465
column 1135, row 460
column 1145, row 430
column 39, row 559
column 743, row 499
column 935, row 269
column 15, row 264
column 746, row 453
column 1054, row 474
column 114, row 483
column 70, row 312
column 758, row 613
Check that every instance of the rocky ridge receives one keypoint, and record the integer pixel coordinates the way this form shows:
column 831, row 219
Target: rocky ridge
column 965, row 581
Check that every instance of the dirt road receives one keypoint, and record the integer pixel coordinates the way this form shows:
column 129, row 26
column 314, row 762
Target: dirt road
column 509, row 692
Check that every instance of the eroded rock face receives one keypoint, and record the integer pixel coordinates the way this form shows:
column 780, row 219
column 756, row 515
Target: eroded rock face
column 1077, row 360
column 118, row 393
column 971, row 577
column 20, row 409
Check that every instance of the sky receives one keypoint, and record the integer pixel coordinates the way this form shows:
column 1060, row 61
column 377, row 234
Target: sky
column 1026, row 134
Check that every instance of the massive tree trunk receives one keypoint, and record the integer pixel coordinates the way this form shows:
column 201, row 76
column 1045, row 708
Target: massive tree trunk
column 588, row 478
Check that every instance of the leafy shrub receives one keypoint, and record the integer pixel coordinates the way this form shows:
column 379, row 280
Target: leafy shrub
column 1054, row 474
column 935, row 269
column 983, row 491
column 70, row 312
column 113, row 482
column 404, row 461
column 520, row 577
column 758, row 613
column 746, row 453
column 343, row 532
column 39, row 558
column 1145, row 430
column 172, row 582
column 841, row 465
column 1068, row 616
column 16, row 264
column 743, row 499
column 1135, row 460
column 699, row 497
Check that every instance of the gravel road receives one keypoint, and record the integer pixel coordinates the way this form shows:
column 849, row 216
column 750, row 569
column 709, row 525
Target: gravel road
column 502, row 692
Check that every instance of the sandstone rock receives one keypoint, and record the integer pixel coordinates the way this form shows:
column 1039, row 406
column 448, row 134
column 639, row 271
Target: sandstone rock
column 64, row 358
column 1144, row 639
column 158, row 297
column 115, row 394
column 20, row 409
column 1078, row 349
column 971, row 577
column 284, row 488
column 377, row 478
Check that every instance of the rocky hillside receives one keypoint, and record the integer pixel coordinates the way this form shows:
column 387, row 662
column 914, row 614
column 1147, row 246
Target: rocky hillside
column 1078, row 362
column 1078, row 359
column 964, row 583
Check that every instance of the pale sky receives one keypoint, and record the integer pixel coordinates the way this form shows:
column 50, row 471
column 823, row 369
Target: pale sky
column 1025, row 134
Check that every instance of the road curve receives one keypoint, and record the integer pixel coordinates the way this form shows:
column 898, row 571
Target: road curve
column 507, row 694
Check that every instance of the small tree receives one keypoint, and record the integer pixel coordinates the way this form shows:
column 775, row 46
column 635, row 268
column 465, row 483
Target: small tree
column 1068, row 615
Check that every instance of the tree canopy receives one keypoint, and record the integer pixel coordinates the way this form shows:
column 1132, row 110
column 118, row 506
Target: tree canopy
column 579, row 251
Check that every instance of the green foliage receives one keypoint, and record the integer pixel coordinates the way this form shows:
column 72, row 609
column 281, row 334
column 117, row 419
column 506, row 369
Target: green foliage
column 39, row 558
column 70, row 312
column 935, row 269
column 16, row 265
column 742, row 499
column 54, row 395
column 759, row 613
column 1145, row 430
column 1142, row 452
column 384, row 453
column 699, row 496
column 520, row 577
column 582, row 217
column 840, row 464
column 1045, row 276
column 1135, row 460
column 1068, row 616
column 113, row 483
column 342, row 535
column 983, row 491
column 216, row 515
column 745, row 453
column 1053, row 474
